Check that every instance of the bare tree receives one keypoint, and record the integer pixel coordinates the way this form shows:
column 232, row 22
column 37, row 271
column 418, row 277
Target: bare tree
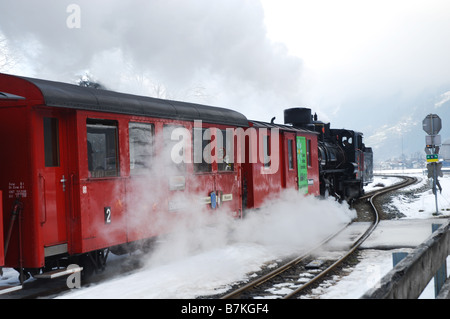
column 87, row 80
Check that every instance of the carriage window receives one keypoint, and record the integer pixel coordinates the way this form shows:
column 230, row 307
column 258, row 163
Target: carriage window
column 308, row 153
column 266, row 149
column 176, row 164
column 102, row 145
column 225, row 150
column 291, row 154
column 51, row 142
column 347, row 141
column 202, row 151
column 141, row 146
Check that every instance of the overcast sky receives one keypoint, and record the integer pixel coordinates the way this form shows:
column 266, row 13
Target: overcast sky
column 362, row 48
column 375, row 66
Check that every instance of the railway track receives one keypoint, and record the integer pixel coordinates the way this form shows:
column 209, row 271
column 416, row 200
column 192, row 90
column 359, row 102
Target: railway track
column 298, row 267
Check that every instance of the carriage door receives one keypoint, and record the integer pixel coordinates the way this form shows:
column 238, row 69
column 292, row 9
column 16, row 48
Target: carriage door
column 302, row 164
column 53, row 181
column 289, row 161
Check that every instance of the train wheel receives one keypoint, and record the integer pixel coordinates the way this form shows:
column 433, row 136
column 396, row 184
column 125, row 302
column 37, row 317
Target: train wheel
column 23, row 276
column 93, row 262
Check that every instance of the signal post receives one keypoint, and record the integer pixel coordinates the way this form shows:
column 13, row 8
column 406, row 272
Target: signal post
column 432, row 125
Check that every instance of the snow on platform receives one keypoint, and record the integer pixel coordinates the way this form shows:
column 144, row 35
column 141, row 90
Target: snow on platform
column 390, row 234
column 402, row 233
column 418, row 210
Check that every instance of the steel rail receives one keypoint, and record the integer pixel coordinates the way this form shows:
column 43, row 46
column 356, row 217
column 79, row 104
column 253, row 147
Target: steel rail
column 282, row 268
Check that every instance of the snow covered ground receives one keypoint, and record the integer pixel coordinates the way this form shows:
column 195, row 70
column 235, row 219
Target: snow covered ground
column 376, row 263
column 206, row 259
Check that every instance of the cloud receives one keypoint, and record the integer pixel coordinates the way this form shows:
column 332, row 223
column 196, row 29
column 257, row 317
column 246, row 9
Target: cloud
column 220, row 46
column 370, row 50
column 444, row 98
column 349, row 61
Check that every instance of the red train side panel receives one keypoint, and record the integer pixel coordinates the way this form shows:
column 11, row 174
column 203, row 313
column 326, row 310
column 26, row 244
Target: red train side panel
column 263, row 168
column 2, row 252
column 16, row 178
column 281, row 162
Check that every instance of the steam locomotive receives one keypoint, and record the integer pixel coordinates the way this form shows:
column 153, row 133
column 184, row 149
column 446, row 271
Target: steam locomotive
column 345, row 163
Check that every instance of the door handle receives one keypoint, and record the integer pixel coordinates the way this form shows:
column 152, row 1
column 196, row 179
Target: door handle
column 63, row 181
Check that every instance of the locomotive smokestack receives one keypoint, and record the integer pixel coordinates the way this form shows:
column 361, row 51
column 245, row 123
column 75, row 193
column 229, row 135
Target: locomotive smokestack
column 299, row 117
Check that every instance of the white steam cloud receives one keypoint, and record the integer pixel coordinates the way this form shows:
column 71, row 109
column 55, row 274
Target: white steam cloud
column 288, row 223
column 212, row 52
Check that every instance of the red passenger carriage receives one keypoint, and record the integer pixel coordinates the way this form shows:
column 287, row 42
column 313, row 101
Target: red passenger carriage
column 92, row 169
